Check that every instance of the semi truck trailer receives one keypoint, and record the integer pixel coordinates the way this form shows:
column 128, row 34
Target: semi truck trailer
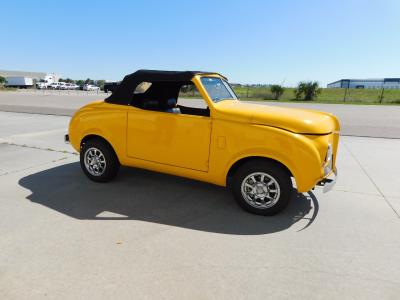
column 19, row 82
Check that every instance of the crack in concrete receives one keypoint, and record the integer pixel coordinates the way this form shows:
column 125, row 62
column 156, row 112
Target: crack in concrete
column 360, row 193
column 38, row 148
column 371, row 137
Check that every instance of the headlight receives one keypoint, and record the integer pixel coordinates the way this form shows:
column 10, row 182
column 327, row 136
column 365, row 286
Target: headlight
column 328, row 160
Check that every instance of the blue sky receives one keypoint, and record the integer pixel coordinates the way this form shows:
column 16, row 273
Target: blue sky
column 249, row 41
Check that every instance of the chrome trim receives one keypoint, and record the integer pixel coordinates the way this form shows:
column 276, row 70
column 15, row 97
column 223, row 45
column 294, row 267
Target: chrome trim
column 95, row 162
column 329, row 183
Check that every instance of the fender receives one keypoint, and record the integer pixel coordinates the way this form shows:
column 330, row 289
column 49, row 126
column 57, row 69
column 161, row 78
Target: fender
column 113, row 128
column 300, row 156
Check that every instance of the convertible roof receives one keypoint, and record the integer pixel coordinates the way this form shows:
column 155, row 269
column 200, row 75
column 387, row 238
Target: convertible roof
column 125, row 90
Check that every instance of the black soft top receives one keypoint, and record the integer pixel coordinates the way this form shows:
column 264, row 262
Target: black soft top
column 163, row 79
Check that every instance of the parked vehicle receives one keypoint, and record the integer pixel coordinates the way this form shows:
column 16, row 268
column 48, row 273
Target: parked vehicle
column 62, row 86
column 110, row 86
column 261, row 152
column 69, row 86
column 90, row 87
column 19, row 82
column 56, row 85
column 73, row 86
column 41, row 85
column 45, row 82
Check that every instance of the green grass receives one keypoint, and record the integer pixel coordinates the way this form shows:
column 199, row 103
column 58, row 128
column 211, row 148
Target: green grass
column 5, row 89
column 353, row 96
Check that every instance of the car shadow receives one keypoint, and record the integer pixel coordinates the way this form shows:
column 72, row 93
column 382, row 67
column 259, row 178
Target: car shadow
column 158, row 198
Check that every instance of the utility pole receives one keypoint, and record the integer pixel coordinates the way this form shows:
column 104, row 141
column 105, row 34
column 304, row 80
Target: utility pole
column 345, row 94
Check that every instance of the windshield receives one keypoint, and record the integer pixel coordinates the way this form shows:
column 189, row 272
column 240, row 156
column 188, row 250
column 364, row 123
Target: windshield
column 218, row 89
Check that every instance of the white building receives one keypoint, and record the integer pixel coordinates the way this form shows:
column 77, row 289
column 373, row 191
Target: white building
column 387, row 83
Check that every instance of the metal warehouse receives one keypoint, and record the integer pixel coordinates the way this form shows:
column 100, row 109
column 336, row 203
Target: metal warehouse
column 387, row 83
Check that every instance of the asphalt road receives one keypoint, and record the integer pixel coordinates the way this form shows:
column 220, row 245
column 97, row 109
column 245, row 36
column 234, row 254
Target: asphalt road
column 356, row 120
column 154, row 236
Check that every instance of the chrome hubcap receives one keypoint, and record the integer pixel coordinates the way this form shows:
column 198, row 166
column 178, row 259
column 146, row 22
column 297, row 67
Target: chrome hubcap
column 95, row 161
column 260, row 190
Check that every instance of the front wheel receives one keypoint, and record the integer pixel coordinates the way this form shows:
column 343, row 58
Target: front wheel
column 262, row 187
column 98, row 160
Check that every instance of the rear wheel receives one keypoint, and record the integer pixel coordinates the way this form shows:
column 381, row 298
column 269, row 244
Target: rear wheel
column 262, row 187
column 98, row 160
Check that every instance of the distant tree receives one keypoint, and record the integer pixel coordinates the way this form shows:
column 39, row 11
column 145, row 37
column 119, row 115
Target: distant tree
column 307, row 90
column 100, row 83
column 80, row 82
column 67, row 80
column 89, row 81
column 183, row 89
column 277, row 91
column 2, row 80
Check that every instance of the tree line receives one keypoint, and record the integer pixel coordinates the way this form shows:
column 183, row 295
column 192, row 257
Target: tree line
column 99, row 83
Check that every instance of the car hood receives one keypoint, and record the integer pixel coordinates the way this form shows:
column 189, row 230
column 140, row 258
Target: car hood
column 296, row 120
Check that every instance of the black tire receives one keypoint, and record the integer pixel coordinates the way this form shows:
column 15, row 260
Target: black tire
column 274, row 175
column 111, row 166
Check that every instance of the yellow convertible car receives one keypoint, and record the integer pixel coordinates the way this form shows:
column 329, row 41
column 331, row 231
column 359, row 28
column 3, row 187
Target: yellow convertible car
column 262, row 153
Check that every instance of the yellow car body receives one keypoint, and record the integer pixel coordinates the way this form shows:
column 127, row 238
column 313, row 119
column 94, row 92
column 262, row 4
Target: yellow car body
column 210, row 148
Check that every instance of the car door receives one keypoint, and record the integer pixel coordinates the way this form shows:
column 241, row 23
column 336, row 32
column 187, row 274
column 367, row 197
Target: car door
column 173, row 139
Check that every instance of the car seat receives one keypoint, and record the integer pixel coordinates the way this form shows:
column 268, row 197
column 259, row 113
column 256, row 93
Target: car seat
column 171, row 106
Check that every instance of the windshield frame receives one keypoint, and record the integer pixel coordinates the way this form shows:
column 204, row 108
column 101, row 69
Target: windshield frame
column 225, row 83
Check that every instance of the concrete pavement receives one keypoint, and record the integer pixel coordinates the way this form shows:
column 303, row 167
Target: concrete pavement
column 148, row 235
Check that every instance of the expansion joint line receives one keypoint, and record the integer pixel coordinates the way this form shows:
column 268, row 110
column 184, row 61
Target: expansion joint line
column 373, row 182
column 38, row 148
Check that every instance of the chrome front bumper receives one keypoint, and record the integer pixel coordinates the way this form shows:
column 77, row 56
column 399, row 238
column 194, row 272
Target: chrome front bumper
column 328, row 182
